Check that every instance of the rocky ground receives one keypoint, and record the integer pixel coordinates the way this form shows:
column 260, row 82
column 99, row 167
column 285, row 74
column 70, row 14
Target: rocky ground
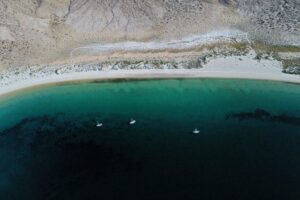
column 39, row 32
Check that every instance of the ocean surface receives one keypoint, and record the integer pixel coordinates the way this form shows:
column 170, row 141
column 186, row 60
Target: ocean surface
column 248, row 145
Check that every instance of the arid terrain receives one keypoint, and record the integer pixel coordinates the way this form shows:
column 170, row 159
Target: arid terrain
column 34, row 32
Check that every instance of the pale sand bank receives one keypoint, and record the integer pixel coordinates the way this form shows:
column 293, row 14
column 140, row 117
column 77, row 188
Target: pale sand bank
column 235, row 67
column 148, row 74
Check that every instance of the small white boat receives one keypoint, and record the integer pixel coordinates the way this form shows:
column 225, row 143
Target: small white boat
column 132, row 121
column 99, row 124
column 196, row 131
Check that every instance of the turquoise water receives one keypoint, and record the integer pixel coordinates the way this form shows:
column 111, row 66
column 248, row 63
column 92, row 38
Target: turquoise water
column 248, row 146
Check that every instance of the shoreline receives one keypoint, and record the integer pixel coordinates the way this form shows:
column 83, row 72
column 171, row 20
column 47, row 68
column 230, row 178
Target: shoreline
column 145, row 74
column 245, row 66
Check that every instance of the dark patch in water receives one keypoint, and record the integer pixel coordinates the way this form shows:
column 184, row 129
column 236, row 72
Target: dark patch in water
column 61, row 156
column 89, row 162
column 263, row 115
column 65, row 158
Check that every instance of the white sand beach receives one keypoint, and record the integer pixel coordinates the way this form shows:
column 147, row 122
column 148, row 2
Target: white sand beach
column 53, row 40
column 233, row 67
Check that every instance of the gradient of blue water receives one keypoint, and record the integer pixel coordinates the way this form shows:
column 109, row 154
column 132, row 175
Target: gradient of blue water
column 51, row 148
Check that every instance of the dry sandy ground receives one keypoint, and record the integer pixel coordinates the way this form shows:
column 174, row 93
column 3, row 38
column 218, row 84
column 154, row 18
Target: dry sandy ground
column 43, row 31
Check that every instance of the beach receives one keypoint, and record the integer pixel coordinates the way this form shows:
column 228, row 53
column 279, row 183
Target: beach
column 223, row 53
column 232, row 67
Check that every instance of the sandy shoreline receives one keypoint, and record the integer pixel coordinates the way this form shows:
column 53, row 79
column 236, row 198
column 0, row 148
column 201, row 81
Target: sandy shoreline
column 231, row 67
column 147, row 74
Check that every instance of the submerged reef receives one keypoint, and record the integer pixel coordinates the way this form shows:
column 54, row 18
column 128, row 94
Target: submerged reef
column 263, row 115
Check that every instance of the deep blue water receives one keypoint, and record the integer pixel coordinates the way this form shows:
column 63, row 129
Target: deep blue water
column 248, row 146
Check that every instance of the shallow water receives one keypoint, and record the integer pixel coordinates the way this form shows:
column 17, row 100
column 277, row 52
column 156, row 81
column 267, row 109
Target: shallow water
column 248, row 146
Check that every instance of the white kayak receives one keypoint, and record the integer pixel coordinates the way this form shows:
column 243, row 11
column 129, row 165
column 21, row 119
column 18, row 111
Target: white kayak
column 196, row 131
column 99, row 124
column 132, row 121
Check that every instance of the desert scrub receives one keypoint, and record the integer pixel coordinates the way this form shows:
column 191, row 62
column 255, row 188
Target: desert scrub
column 290, row 63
